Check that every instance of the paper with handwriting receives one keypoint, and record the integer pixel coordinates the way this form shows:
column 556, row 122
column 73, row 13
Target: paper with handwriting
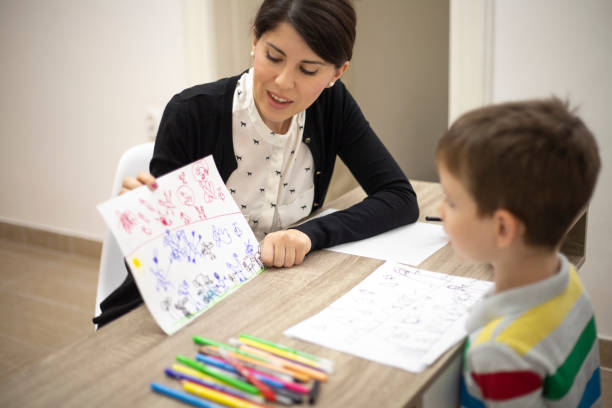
column 399, row 315
column 186, row 243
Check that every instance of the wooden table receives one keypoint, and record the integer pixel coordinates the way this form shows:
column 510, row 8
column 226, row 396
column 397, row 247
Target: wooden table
column 114, row 366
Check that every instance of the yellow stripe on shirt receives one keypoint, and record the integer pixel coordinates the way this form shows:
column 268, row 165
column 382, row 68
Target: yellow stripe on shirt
column 487, row 331
column 535, row 325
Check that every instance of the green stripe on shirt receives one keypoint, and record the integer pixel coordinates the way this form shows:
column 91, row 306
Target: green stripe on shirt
column 557, row 385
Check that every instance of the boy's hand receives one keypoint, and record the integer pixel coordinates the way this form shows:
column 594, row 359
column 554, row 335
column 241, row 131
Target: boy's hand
column 143, row 178
column 285, row 248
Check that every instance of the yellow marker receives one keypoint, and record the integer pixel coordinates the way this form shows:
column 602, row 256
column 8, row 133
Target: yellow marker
column 217, row 396
column 279, row 352
column 196, row 374
column 289, row 365
column 136, row 262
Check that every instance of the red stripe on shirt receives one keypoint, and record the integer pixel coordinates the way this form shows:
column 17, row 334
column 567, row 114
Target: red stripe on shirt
column 507, row 385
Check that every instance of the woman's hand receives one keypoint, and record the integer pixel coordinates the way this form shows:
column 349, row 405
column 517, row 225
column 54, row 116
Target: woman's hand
column 285, row 248
column 143, row 178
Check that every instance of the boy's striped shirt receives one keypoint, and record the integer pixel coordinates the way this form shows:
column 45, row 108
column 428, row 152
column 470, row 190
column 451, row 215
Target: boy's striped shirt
column 533, row 346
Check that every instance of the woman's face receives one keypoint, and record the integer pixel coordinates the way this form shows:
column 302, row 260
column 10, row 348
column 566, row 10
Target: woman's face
column 288, row 76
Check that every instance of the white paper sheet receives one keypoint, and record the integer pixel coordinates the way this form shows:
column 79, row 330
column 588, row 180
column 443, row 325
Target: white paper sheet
column 187, row 243
column 399, row 316
column 410, row 244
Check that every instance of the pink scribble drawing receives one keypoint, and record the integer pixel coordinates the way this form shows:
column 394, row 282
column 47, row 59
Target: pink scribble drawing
column 185, row 196
column 182, row 176
column 146, row 227
column 164, row 221
column 220, row 193
column 166, row 212
column 201, row 171
column 127, row 220
column 143, row 218
column 200, row 211
column 185, row 217
column 147, row 205
column 166, row 202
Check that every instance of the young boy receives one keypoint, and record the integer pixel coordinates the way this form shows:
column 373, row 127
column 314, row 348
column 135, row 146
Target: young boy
column 516, row 176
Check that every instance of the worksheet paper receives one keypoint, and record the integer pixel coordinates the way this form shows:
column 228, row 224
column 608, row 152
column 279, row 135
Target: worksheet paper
column 399, row 315
column 186, row 243
column 410, row 244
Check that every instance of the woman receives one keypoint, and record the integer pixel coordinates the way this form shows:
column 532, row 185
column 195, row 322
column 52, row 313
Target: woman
column 275, row 131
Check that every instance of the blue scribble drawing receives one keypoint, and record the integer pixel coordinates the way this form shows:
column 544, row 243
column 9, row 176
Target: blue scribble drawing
column 161, row 276
column 221, row 236
column 221, row 282
column 249, row 248
column 236, row 269
column 206, row 288
column 251, row 262
column 184, row 290
column 237, row 230
column 183, row 246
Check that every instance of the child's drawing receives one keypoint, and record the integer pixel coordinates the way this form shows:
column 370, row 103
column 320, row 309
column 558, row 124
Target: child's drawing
column 187, row 244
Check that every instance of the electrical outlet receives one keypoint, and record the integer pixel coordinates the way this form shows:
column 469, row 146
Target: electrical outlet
column 153, row 116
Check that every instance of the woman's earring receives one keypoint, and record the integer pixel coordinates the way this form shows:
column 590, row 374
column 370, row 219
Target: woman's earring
column 252, row 53
column 331, row 83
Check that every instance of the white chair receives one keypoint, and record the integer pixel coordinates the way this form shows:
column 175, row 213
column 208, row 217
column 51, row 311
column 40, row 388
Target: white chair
column 112, row 269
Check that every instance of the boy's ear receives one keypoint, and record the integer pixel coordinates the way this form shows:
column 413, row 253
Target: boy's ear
column 508, row 228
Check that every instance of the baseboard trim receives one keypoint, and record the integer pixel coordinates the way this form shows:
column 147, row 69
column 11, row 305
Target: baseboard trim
column 50, row 240
column 605, row 353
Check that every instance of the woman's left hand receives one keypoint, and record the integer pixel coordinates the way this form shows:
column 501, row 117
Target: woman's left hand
column 285, row 248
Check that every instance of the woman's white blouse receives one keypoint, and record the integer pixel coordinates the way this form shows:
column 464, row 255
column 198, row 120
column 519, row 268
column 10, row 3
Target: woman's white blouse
column 273, row 184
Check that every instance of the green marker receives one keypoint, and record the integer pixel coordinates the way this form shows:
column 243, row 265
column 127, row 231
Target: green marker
column 203, row 341
column 241, row 385
column 320, row 360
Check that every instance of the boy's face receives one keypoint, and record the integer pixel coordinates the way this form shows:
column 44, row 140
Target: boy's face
column 472, row 236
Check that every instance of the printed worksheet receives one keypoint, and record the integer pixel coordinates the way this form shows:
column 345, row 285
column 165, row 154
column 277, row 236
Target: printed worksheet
column 399, row 316
column 187, row 244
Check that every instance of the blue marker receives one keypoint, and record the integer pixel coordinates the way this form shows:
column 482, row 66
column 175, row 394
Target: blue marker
column 182, row 396
column 228, row 390
column 216, row 363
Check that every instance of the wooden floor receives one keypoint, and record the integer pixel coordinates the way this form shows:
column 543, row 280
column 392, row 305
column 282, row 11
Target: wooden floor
column 47, row 301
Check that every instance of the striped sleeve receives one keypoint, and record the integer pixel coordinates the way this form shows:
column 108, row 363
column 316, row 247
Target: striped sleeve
column 546, row 355
column 499, row 377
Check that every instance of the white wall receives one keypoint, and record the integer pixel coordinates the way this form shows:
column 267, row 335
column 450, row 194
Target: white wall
column 536, row 49
column 79, row 77
column 222, row 29
column 399, row 77
column 77, row 80
column 564, row 47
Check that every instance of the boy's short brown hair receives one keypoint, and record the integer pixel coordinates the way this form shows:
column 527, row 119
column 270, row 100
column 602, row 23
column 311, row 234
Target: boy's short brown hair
column 536, row 159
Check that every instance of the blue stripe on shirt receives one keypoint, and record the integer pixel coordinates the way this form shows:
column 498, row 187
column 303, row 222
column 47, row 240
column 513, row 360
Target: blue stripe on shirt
column 467, row 400
column 592, row 391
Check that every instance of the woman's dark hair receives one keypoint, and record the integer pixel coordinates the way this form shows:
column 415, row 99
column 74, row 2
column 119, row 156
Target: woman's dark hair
column 327, row 26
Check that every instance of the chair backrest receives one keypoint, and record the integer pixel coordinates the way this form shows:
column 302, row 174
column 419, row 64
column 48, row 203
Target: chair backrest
column 112, row 268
